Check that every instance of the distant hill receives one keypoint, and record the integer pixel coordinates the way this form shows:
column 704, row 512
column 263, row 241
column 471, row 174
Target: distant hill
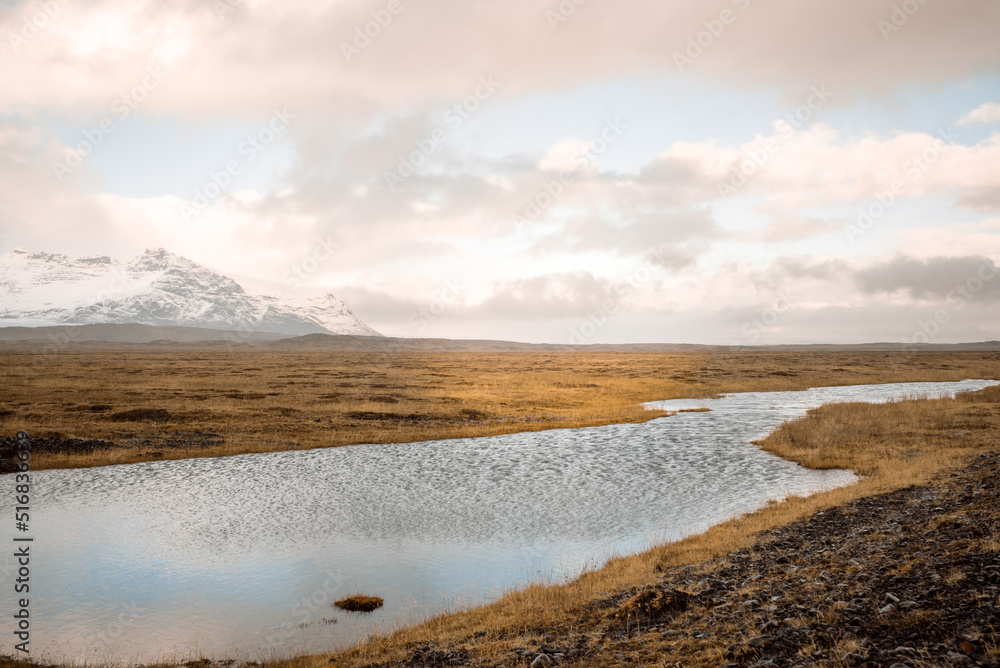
column 130, row 333
column 363, row 343
column 171, row 335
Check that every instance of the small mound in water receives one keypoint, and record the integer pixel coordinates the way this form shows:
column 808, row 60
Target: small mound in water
column 359, row 603
column 695, row 410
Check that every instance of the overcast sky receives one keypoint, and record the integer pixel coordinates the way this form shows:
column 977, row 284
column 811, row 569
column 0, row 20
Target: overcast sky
column 728, row 171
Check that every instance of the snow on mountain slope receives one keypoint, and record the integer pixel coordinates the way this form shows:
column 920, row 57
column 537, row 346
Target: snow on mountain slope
column 160, row 288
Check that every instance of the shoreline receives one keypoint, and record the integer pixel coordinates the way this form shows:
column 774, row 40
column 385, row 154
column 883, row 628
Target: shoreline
column 155, row 406
column 918, row 441
column 538, row 619
column 485, row 636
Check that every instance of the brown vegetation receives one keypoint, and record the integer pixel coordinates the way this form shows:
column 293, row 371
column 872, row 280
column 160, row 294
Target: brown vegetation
column 603, row 617
column 359, row 603
column 147, row 403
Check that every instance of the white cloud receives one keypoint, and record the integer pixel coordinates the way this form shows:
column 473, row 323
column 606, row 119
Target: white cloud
column 985, row 113
column 290, row 54
column 720, row 256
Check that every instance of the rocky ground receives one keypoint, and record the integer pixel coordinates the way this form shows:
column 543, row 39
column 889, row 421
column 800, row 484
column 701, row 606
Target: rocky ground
column 8, row 448
column 152, row 445
column 905, row 579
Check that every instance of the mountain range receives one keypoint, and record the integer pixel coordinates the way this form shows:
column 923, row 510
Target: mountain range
column 162, row 289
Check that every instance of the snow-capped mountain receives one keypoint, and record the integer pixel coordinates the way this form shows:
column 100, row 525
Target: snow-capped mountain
column 160, row 288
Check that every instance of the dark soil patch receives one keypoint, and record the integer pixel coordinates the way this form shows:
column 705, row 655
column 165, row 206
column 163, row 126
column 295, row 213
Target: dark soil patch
column 140, row 415
column 372, row 416
column 90, row 408
column 54, row 445
column 359, row 603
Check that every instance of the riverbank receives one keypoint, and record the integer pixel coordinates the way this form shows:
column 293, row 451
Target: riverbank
column 905, row 578
column 90, row 407
column 801, row 582
column 798, row 583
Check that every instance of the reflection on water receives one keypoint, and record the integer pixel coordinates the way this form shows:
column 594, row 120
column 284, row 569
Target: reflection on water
column 242, row 556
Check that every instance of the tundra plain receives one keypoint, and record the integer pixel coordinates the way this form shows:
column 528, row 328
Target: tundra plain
column 101, row 405
column 806, row 581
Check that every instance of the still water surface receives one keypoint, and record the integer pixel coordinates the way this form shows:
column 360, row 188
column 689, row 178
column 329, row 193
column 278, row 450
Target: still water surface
column 242, row 556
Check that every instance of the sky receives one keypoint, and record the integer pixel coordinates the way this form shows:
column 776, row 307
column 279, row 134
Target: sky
column 578, row 171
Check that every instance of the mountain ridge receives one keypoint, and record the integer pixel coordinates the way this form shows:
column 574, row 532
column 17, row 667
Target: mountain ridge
column 159, row 288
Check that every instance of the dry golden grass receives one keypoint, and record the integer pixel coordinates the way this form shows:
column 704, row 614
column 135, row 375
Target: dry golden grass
column 896, row 445
column 360, row 603
column 267, row 401
column 872, row 438
column 206, row 402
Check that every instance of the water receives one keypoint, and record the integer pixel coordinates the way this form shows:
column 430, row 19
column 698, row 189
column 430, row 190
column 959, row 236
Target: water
column 241, row 557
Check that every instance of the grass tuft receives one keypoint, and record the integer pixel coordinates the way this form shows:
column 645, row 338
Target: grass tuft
column 359, row 603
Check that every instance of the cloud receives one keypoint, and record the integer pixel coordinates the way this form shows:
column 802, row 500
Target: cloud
column 791, row 226
column 818, row 166
column 558, row 295
column 267, row 53
column 673, row 259
column 35, row 208
column 936, row 278
column 986, row 113
column 365, row 103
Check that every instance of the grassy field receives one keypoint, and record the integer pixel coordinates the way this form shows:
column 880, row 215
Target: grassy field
column 268, row 401
column 149, row 403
